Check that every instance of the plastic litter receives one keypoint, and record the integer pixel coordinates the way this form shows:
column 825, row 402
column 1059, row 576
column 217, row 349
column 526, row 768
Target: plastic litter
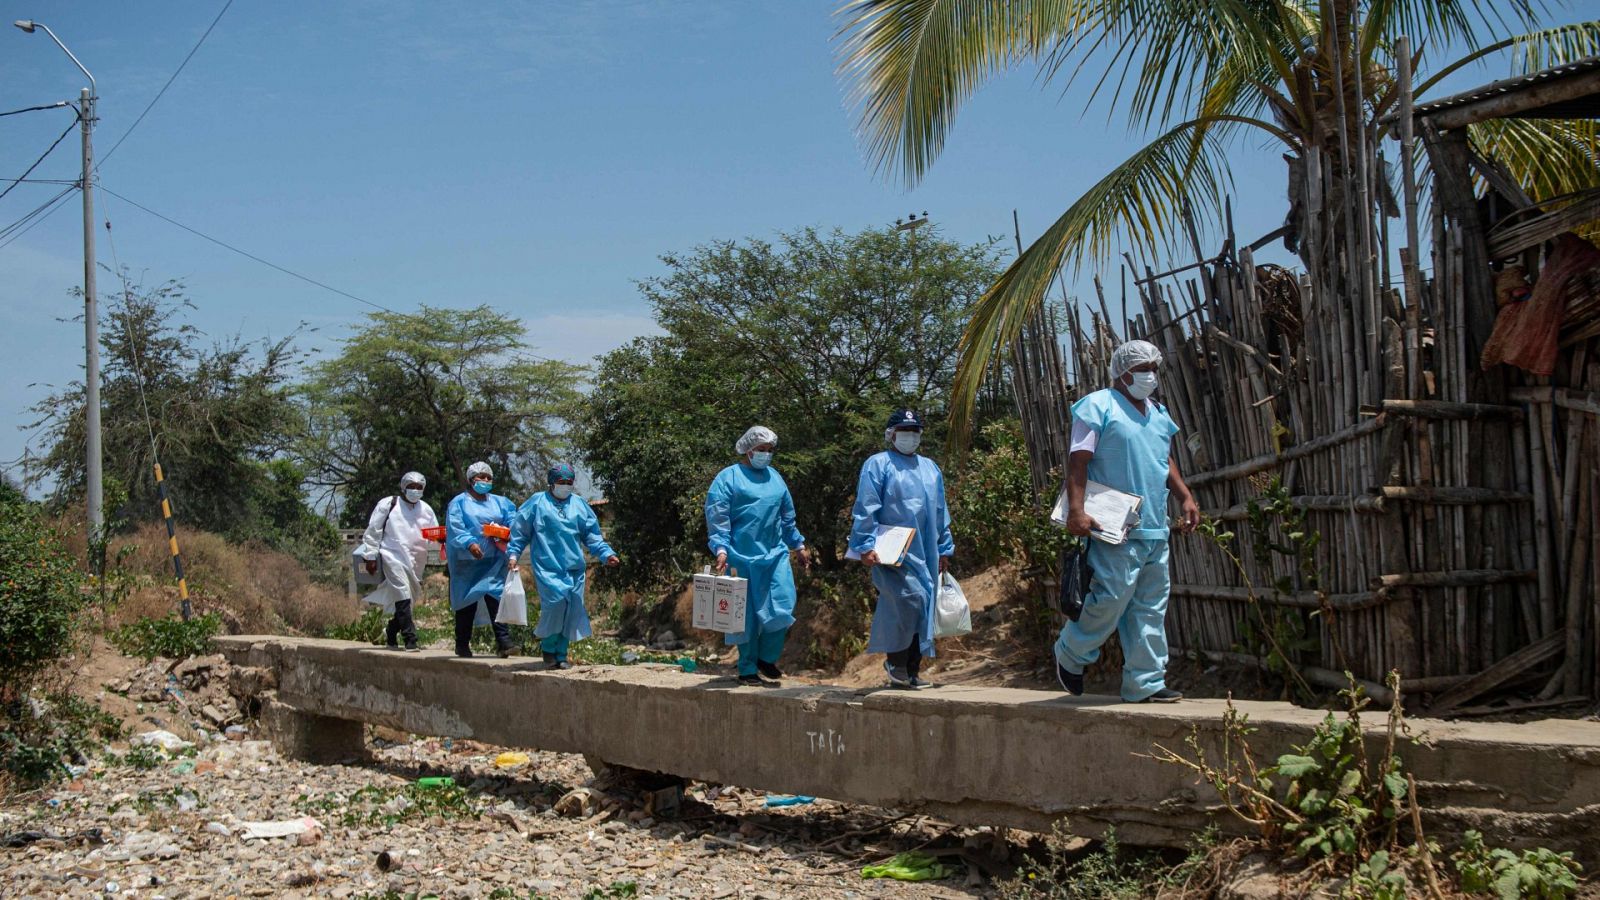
column 630, row 657
column 183, row 767
column 687, row 664
column 285, row 828
column 510, row 760
column 436, row 781
column 166, row 740
column 789, row 800
column 909, row 867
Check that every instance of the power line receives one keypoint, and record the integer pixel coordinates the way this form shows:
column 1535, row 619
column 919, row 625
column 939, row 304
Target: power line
column 56, row 105
column 164, row 87
column 15, row 182
column 10, row 234
column 247, row 254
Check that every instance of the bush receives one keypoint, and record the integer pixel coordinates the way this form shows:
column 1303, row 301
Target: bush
column 994, row 512
column 40, row 596
column 170, row 637
column 1541, row 873
column 40, row 734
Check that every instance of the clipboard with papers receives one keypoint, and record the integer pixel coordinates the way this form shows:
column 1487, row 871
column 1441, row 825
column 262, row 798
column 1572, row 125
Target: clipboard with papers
column 891, row 544
column 1103, row 504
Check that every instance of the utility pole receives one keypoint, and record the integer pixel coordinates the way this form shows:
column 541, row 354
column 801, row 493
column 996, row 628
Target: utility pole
column 91, row 328
column 911, row 224
column 91, row 302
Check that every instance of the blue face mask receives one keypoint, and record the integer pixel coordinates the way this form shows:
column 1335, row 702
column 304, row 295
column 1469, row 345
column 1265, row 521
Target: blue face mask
column 560, row 491
column 760, row 459
column 482, row 488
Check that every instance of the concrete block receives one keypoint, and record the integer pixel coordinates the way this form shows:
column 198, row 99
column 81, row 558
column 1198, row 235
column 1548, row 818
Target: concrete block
column 311, row 737
column 974, row 755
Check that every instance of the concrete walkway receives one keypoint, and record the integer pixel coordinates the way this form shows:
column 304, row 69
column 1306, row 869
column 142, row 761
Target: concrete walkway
column 975, row 755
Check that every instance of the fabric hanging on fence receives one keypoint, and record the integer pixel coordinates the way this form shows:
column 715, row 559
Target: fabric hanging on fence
column 1527, row 334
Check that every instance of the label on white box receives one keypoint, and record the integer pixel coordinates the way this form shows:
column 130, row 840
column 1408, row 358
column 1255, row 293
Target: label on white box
column 727, row 614
column 704, row 599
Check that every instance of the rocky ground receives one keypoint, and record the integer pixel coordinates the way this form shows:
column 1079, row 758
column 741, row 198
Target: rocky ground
column 146, row 821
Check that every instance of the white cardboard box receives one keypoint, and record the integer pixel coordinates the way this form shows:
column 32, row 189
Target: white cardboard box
column 704, row 599
column 727, row 612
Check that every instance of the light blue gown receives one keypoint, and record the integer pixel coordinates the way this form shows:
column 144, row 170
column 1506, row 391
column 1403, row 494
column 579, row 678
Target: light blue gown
column 750, row 516
column 896, row 489
column 473, row 579
column 555, row 533
column 1132, row 582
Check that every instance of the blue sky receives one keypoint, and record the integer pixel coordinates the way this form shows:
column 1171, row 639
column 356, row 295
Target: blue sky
column 535, row 156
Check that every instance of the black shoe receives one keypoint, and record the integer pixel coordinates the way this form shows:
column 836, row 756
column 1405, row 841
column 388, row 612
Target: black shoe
column 751, row 681
column 898, row 677
column 1072, row 684
column 411, row 647
column 770, row 670
column 555, row 662
column 550, row 660
column 1165, row 695
column 919, row 684
column 504, row 651
column 464, row 654
column 391, row 646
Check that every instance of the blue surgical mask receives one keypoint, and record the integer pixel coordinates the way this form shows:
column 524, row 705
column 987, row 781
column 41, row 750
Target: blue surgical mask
column 760, row 459
column 561, row 491
column 907, row 442
column 482, row 488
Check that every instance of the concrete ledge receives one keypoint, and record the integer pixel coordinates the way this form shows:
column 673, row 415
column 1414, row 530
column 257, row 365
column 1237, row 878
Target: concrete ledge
column 982, row 756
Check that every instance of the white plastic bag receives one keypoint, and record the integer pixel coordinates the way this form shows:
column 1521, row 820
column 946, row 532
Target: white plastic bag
column 513, row 602
column 952, row 617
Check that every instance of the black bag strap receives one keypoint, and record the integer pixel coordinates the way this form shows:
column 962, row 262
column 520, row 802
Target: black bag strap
column 384, row 531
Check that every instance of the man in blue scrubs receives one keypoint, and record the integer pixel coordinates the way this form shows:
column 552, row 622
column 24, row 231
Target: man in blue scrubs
column 1123, row 439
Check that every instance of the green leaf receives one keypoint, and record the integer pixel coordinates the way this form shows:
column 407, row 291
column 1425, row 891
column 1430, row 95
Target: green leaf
column 1395, row 783
column 1297, row 766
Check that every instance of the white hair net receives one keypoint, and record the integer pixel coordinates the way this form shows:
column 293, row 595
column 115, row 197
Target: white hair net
column 413, row 478
column 1133, row 353
column 755, row 437
column 479, row 468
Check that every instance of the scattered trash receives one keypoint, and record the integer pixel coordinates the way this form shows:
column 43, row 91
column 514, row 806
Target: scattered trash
column 579, row 802
column 183, row 767
column 687, row 664
column 187, row 802
column 510, row 760
column 630, row 657
column 285, row 828
column 142, row 845
column 235, row 732
column 436, row 781
column 23, row 838
column 909, row 867
column 166, row 740
column 389, row 860
column 219, row 829
column 789, row 800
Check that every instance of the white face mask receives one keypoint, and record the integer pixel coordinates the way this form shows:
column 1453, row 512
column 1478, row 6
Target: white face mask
column 1144, row 384
column 907, row 442
column 561, row 491
column 760, row 459
column 413, row 495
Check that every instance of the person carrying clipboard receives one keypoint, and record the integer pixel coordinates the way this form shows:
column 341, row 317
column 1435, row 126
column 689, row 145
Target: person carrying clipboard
column 899, row 490
column 1122, row 439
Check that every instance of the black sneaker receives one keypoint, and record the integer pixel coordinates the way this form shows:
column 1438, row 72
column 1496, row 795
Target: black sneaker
column 751, row 681
column 770, row 670
column 464, row 654
column 550, row 660
column 560, row 663
column 411, row 647
column 391, row 646
column 898, row 676
column 918, row 683
column 1165, row 695
column 504, row 651
column 1071, row 683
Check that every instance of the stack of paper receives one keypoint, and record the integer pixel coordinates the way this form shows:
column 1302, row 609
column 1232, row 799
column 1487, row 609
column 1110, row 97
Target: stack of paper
column 892, row 543
column 1113, row 511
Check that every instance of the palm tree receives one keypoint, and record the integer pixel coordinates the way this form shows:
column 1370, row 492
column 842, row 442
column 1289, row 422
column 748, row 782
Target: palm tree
column 1314, row 76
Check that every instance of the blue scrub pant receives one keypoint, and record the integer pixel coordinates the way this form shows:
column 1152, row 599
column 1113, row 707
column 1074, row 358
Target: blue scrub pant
column 556, row 644
column 1129, row 595
column 766, row 647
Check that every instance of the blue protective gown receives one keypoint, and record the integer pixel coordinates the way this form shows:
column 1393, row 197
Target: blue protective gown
column 1132, row 583
column 750, row 515
column 896, row 489
column 473, row 579
column 555, row 533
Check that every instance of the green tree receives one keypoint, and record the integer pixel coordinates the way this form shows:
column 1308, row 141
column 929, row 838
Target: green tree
column 816, row 336
column 220, row 416
column 40, row 596
column 434, row 391
column 1310, row 76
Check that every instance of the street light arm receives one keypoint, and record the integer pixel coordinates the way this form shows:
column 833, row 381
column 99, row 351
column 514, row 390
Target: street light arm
column 93, row 90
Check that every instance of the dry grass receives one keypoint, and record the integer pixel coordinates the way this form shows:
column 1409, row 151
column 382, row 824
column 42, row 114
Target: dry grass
column 255, row 589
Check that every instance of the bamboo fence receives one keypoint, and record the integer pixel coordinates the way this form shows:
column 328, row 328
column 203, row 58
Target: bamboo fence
column 1456, row 506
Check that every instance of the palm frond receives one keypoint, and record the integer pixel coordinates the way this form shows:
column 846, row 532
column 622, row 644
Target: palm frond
column 1548, row 157
column 1139, row 201
column 910, row 64
column 1533, row 52
column 1447, row 22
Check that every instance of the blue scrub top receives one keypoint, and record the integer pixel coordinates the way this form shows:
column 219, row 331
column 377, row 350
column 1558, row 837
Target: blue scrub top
column 472, row 579
column 1132, row 453
column 750, row 516
column 896, row 489
column 555, row 533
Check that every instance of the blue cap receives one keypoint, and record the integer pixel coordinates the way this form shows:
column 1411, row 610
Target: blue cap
column 905, row 418
column 561, row 472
